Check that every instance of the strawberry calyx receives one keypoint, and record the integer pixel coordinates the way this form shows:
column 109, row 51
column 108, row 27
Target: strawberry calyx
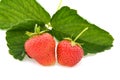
column 36, row 31
column 73, row 43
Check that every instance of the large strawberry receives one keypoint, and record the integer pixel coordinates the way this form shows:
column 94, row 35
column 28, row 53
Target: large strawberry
column 69, row 53
column 41, row 47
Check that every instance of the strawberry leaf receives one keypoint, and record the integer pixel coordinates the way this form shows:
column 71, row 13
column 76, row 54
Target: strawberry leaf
column 16, row 38
column 67, row 23
column 13, row 12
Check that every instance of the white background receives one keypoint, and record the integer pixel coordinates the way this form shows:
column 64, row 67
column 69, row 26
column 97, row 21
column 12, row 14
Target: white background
column 103, row 66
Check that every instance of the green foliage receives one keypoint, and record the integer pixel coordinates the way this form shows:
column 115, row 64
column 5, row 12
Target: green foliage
column 13, row 12
column 67, row 23
column 19, row 16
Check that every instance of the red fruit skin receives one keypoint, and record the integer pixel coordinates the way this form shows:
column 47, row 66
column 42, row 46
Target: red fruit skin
column 41, row 48
column 69, row 55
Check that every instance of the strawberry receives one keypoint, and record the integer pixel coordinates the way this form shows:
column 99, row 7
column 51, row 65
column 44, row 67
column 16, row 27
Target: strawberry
column 69, row 52
column 41, row 47
column 69, row 55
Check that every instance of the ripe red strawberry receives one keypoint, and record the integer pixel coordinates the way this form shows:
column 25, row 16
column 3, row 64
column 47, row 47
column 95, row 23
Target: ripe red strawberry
column 41, row 47
column 69, row 53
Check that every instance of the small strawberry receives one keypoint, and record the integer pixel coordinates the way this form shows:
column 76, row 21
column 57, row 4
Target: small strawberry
column 41, row 47
column 69, row 53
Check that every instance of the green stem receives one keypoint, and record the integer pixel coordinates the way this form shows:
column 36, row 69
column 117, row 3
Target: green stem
column 37, row 29
column 59, row 5
column 80, row 33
